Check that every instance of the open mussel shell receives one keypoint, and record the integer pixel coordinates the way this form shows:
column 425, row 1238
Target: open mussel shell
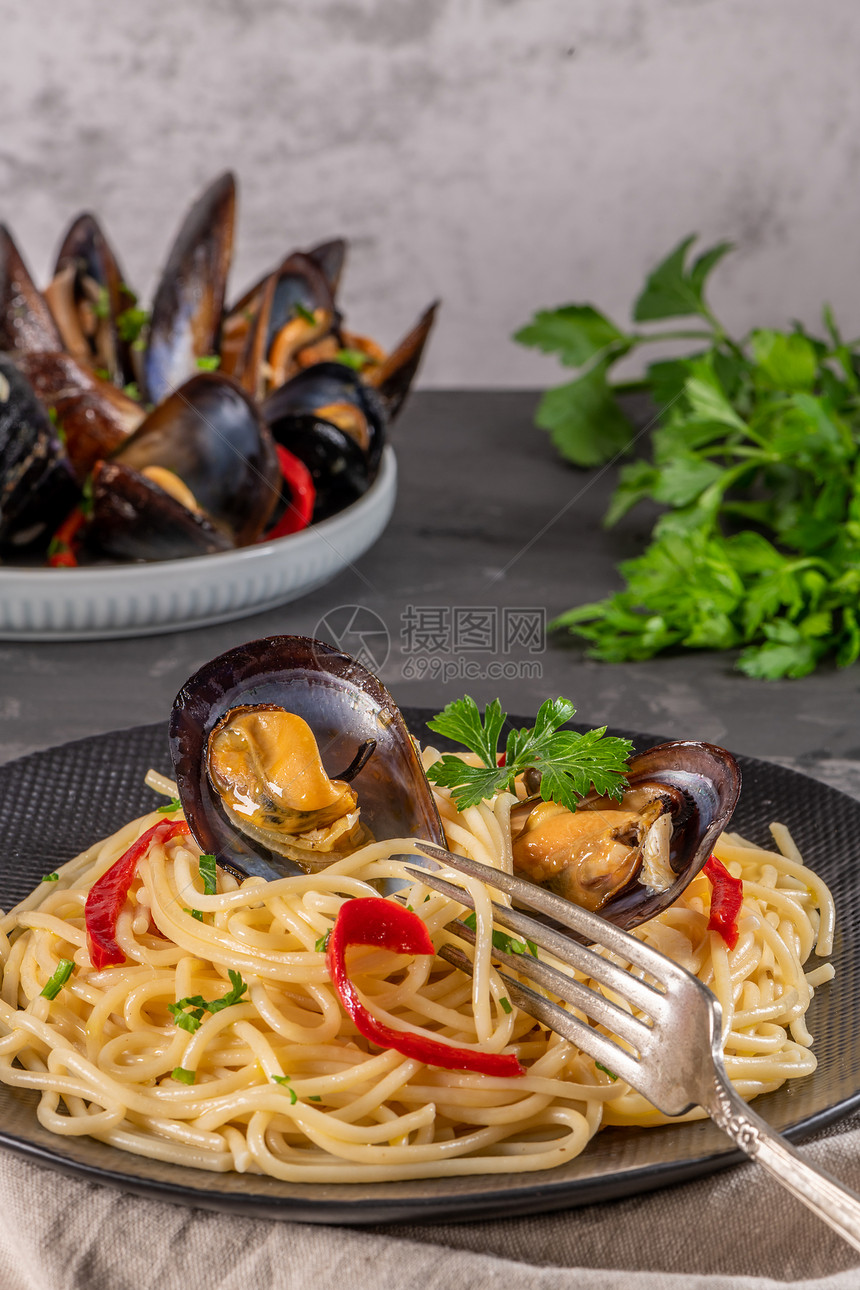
column 95, row 417
column 702, row 782
column 88, row 296
column 345, row 706
column 186, row 312
column 210, row 435
column 333, row 393
column 37, row 483
column 292, row 308
column 394, row 376
column 330, row 257
column 134, row 519
column 26, row 322
column 338, row 467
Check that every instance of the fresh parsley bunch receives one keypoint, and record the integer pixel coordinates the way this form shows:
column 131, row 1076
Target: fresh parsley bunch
column 570, row 763
column 756, row 458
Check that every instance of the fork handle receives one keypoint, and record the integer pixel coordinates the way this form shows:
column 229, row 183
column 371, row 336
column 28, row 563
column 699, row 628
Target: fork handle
column 835, row 1204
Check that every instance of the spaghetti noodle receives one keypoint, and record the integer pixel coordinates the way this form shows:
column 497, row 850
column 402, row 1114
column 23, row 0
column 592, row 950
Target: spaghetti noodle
column 275, row 1078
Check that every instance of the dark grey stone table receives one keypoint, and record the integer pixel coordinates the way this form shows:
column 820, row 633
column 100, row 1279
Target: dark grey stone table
column 487, row 520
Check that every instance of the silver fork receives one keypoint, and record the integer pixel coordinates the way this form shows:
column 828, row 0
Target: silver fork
column 679, row 1063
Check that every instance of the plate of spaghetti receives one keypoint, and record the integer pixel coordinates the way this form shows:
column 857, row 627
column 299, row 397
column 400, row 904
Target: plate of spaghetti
column 214, row 1063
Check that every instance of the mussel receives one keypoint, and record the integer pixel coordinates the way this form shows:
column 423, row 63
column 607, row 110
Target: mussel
column 91, row 302
column 26, row 322
column 261, row 788
column 95, row 416
column 36, row 478
column 630, row 859
column 336, row 394
column 186, row 311
column 289, row 310
column 204, row 460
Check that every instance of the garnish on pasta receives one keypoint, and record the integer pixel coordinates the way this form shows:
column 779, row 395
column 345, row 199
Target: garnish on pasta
column 570, row 764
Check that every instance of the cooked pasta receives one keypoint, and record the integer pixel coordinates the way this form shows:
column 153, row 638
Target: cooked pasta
column 279, row 1081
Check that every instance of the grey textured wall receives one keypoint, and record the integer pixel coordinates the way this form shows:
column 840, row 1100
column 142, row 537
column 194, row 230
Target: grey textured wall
column 502, row 154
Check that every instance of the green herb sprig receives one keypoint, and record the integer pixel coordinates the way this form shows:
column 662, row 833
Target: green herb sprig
column 570, row 764
column 58, row 979
column 188, row 1013
column 755, row 458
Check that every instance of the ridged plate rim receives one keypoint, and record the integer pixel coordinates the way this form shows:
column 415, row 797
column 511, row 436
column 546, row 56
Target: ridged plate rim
column 108, row 601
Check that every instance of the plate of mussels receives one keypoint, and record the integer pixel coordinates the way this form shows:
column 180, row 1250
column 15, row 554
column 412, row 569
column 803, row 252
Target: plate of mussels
column 194, row 462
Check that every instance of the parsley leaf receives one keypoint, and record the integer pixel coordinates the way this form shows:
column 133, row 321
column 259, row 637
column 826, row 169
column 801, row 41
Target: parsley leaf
column 354, row 358
column 58, row 979
column 570, row 763
column 577, row 333
column 584, row 419
column 208, row 874
column 188, row 1013
column 672, row 290
column 130, row 323
column 208, row 362
column 169, row 807
column 302, row 311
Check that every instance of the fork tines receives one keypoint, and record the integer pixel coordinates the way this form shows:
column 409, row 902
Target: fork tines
column 604, row 1011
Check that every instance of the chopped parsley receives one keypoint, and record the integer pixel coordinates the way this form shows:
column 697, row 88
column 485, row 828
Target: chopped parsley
column 55, row 983
column 284, row 1080
column 302, row 311
column 208, row 875
column 354, row 358
column 501, row 941
column 505, row 1005
column 322, row 944
column 606, row 1071
column 129, row 324
column 184, row 1076
column 101, row 305
column 173, row 805
column 209, row 362
column 50, row 877
column 188, row 1013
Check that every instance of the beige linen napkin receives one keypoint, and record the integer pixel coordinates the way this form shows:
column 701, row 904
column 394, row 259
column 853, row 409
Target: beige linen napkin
column 736, row 1230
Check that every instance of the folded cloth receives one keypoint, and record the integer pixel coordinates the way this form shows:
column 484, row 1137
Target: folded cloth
column 735, row 1230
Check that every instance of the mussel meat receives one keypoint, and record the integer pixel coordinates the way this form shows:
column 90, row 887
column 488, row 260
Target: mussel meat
column 629, row 860
column 259, row 737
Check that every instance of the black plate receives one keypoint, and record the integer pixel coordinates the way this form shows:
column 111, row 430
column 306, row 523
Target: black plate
column 55, row 803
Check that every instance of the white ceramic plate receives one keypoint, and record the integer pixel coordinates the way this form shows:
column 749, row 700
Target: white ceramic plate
column 169, row 595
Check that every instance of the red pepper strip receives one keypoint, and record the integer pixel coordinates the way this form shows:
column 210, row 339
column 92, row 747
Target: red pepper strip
column 300, row 485
column 107, row 895
column 503, row 759
column 62, row 553
column 726, row 899
column 373, row 921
